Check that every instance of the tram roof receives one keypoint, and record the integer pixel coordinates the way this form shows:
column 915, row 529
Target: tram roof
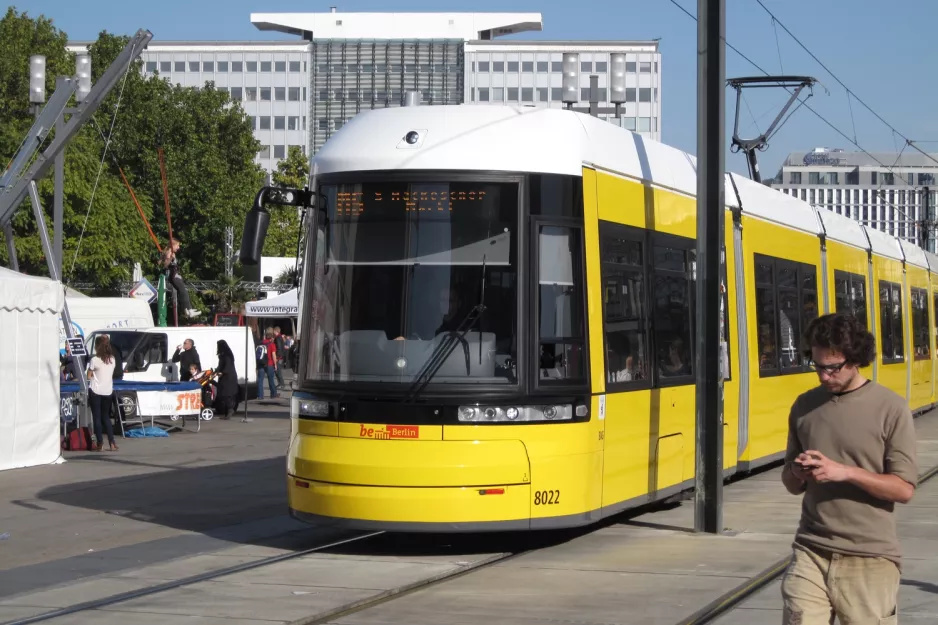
column 489, row 138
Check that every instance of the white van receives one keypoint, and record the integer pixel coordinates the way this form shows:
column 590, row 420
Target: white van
column 90, row 314
column 147, row 353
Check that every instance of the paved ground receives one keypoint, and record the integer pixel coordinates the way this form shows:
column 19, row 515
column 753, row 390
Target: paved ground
column 163, row 509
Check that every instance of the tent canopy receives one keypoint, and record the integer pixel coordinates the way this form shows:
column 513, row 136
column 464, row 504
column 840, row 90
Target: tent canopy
column 29, row 372
column 284, row 305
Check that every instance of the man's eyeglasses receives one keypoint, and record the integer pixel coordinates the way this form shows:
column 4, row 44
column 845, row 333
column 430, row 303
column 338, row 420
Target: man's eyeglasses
column 834, row 368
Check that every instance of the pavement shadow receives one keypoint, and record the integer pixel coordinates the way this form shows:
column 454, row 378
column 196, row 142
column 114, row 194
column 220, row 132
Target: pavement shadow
column 203, row 499
column 923, row 586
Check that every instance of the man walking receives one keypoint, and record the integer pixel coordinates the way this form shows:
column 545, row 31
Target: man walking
column 851, row 451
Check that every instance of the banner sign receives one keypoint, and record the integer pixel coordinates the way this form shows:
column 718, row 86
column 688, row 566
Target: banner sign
column 169, row 403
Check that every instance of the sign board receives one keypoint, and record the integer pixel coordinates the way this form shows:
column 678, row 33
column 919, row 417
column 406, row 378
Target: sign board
column 76, row 346
column 227, row 320
column 144, row 290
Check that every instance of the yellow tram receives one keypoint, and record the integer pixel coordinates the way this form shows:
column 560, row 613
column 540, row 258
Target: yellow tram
column 497, row 320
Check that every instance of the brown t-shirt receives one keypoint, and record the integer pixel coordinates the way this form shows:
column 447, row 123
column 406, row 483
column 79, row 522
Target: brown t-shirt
column 871, row 428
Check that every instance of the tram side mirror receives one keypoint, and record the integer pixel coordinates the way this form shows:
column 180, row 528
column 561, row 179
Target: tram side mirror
column 255, row 232
column 258, row 219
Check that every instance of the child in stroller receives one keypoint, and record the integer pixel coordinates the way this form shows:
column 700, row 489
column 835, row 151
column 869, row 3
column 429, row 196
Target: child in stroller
column 207, row 380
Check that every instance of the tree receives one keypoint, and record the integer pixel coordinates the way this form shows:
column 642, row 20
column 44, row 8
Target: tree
column 108, row 248
column 292, row 173
column 229, row 294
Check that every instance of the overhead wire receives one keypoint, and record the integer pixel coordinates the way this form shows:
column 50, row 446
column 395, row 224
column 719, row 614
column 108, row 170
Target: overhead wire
column 804, row 102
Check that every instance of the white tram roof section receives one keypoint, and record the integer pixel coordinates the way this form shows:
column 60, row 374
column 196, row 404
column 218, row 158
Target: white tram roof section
column 932, row 261
column 843, row 230
column 914, row 255
column 883, row 244
column 768, row 204
column 335, row 25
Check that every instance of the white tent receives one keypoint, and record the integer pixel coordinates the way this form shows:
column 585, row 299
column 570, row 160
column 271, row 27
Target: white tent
column 284, row 305
column 29, row 369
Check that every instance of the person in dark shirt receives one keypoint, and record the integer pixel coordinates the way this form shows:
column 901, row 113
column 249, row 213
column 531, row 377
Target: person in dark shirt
column 281, row 356
column 186, row 355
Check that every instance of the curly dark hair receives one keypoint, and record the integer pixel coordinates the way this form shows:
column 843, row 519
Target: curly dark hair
column 841, row 333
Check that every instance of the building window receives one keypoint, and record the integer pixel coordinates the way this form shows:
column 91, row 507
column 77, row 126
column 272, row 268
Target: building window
column 251, row 93
column 294, row 94
column 586, row 67
column 644, row 94
column 483, row 66
column 483, row 94
column 513, row 66
column 279, row 151
column 252, row 122
column 237, row 66
column 795, row 177
column 542, row 94
column 625, row 320
column 645, row 67
column 556, row 94
column 559, row 303
column 644, row 124
column 324, row 124
column 223, row 66
column 631, row 67
column 631, row 94
column 251, row 67
column 786, row 301
column 304, row 94
column 890, row 321
column 150, row 67
column 265, row 94
column 527, row 66
column 236, row 94
column 280, row 66
column 853, row 177
column 601, row 67
column 166, row 67
column 498, row 94
column 293, row 122
column 556, row 66
column 264, row 152
column 512, row 94
column 850, row 295
column 498, row 67
column 920, row 325
column 527, row 94
column 280, row 122
column 294, row 66
column 926, row 179
column 265, row 122
column 304, row 122
column 208, row 66
column 194, row 66
column 280, row 93
column 814, row 177
column 542, row 67
column 265, row 66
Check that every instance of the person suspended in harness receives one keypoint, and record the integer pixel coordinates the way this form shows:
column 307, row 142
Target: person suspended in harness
column 170, row 268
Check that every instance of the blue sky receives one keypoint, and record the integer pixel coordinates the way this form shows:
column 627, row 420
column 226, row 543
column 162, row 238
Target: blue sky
column 883, row 51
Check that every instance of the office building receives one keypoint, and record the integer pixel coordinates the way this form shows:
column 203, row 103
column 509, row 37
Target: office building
column 301, row 91
column 886, row 191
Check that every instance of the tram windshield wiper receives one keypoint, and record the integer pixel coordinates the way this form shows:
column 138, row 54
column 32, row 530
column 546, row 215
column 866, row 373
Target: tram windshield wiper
column 445, row 347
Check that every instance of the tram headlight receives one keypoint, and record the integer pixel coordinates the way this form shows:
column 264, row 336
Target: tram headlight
column 515, row 414
column 309, row 408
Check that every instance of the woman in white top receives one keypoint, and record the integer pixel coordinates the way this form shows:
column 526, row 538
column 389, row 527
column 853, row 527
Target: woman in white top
column 101, row 391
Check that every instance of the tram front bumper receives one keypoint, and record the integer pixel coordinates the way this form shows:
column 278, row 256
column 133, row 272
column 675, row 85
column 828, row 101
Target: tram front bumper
column 409, row 485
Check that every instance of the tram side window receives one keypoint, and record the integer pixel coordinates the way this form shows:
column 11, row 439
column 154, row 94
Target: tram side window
column 559, row 301
column 786, row 302
column 850, row 292
column 920, row 324
column 890, row 313
column 671, row 310
column 935, row 298
column 624, row 316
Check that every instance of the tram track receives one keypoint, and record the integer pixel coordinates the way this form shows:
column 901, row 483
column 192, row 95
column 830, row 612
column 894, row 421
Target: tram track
column 730, row 600
column 112, row 600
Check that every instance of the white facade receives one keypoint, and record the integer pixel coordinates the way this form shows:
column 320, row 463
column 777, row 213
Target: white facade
column 530, row 73
column 300, row 92
column 890, row 199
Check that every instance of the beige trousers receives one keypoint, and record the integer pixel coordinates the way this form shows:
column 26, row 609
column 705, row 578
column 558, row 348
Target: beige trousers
column 820, row 585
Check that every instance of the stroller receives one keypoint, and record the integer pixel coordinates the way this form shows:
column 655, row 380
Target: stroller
column 207, row 380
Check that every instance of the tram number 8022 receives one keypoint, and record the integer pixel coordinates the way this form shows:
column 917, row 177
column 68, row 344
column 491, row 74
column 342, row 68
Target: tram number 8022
column 546, row 497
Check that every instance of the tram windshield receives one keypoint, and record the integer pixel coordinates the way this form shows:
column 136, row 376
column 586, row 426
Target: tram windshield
column 415, row 281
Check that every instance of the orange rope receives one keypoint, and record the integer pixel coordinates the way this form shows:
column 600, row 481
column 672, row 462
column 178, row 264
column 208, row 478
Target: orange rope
column 139, row 210
column 169, row 221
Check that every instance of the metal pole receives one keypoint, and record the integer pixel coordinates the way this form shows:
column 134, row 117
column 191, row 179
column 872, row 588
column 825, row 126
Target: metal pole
column 57, row 210
column 11, row 247
column 247, row 364
column 929, row 211
column 77, row 364
column 708, row 508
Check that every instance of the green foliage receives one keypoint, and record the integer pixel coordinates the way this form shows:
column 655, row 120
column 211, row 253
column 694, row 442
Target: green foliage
column 208, row 146
column 292, row 173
